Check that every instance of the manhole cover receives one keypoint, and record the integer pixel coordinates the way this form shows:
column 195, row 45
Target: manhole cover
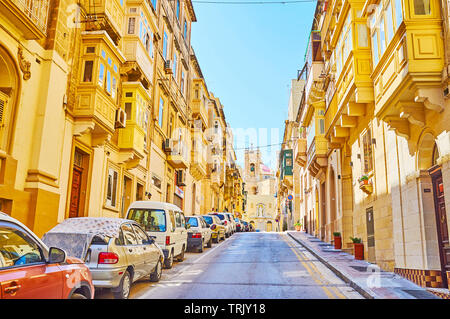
column 419, row 294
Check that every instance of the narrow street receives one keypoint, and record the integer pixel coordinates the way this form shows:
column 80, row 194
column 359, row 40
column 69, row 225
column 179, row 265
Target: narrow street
column 247, row 265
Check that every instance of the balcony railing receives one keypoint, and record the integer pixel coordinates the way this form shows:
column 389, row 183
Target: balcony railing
column 30, row 16
column 36, row 10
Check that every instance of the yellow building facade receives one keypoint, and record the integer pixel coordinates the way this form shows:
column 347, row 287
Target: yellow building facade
column 99, row 110
column 377, row 141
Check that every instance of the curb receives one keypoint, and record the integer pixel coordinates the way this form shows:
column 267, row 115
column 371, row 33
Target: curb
column 366, row 294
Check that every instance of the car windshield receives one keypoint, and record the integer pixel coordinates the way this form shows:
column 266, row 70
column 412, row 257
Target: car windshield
column 222, row 217
column 192, row 221
column 236, row 219
column 150, row 219
column 208, row 219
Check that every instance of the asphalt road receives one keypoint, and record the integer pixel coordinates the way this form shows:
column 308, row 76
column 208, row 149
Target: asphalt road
column 247, row 265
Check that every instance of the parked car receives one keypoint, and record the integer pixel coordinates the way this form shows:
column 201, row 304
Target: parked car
column 231, row 220
column 199, row 233
column 117, row 251
column 246, row 226
column 215, row 224
column 29, row 269
column 225, row 222
column 239, row 225
column 164, row 221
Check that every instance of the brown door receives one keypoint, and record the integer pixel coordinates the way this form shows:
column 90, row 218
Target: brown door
column 75, row 192
column 441, row 220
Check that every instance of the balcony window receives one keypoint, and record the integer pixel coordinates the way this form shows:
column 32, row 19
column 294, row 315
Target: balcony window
column 398, row 13
column 165, row 45
column 178, row 10
column 389, row 22
column 131, row 25
column 101, row 75
column 375, row 48
column 161, row 112
column 111, row 191
column 344, row 45
column 88, row 68
column 182, row 82
column 368, row 158
column 154, row 4
column 422, row 7
column 363, row 41
column 175, row 65
column 185, row 30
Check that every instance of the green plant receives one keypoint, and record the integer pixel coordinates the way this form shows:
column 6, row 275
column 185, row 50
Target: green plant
column 364, row 178
column 337, row 234
column 298, row 224
column 355, row 240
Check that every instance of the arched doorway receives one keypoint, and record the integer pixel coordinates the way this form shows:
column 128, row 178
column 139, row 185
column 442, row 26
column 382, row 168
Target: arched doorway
column 9, row 92
column 269, row 226
column 428, row 154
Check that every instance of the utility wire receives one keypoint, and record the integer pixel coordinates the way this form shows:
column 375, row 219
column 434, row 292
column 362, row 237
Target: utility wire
column 251, row 2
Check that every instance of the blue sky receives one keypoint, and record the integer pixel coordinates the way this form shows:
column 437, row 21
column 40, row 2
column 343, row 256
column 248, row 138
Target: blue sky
column 248, row 55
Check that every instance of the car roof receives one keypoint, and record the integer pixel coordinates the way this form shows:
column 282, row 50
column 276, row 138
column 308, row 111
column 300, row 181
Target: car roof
column 154, row 205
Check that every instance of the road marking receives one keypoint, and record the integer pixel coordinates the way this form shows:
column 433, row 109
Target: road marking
column 312, row 273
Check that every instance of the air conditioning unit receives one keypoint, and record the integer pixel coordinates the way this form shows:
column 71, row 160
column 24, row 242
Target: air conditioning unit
column 181, row 178
column 121, row 118
column 168, row 67
column 168, row 145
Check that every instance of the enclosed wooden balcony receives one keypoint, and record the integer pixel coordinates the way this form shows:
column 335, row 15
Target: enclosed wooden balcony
column 30, row 17
column 178, row 157
column 131, row 138
column 198, row 156
column 139, row 64
column 317, row 155
column 108, row 15
column 407, row 77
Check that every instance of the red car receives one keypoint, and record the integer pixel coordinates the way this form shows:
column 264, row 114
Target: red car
column 30, row 270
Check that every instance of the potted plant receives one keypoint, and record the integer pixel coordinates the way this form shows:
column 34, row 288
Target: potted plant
column 337, row 240
column 359, row 248
column 364, row 180
column 298, row 226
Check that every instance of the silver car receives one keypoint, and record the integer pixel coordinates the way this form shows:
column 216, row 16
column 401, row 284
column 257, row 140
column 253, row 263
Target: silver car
column 117, row 251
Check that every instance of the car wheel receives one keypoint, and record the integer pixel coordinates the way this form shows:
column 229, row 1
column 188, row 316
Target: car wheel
column 168, row 262
column 181, row 256
column 78, row 296
column 155, row 276
column 209, row 245
column 124, row 288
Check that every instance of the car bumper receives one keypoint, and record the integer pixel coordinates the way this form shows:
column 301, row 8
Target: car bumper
column 194, row 243
column 107, row 278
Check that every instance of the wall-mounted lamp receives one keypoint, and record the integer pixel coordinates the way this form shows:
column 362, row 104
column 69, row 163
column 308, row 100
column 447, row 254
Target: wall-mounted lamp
column 339, row 176
column 351, row 164
column 374, row 141
column 358, row 156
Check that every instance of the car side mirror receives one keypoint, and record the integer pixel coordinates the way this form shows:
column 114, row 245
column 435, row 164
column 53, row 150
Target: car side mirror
column 188, row 226
column 56, row 255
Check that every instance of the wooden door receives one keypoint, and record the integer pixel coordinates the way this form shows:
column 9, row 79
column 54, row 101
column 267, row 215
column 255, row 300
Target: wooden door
column 441, row 221
column 75, row 193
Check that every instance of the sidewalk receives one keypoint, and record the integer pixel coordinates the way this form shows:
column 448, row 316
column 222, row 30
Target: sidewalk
column 364, row 277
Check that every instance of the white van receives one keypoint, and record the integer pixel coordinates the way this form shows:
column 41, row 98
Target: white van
column 166, row 223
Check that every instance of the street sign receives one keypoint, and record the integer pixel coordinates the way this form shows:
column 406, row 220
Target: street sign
column 290, row 197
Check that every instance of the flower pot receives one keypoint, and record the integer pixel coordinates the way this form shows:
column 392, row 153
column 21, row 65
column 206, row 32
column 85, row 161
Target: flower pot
column 337, row 242
column 298, row 228
column 359, row 251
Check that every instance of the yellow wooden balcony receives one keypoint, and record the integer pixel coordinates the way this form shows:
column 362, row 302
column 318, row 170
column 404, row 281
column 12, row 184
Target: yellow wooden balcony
column 30, row 17
column 317, row 155
column 108, row 15
column 300, row 151
column 407, row 78
column 198, row 157
column 178, row 157
column 139, row 65
column 132, row 138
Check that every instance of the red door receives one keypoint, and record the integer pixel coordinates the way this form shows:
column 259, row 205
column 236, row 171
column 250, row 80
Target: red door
column 32, row 282
column 441, row 221
column 75, row 193
column 24, row 273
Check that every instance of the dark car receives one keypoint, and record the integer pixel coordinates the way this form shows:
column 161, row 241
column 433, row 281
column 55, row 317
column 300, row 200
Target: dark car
column 238, row 224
